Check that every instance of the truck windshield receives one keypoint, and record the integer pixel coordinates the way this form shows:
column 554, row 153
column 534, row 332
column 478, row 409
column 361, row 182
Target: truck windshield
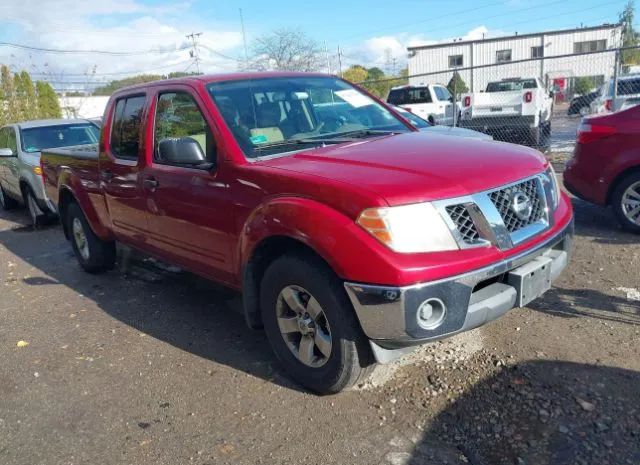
column 511, row 85
column 271, row 116
column 63, row 135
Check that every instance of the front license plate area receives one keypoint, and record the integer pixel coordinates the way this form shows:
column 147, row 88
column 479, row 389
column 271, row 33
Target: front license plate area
column 531, row 280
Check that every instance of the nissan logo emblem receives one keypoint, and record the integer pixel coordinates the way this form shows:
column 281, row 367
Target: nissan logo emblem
column 521, row 205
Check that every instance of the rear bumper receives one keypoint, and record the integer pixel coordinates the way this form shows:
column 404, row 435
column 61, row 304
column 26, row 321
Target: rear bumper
column 584, row 181
column 389, row 316
column 502, row 123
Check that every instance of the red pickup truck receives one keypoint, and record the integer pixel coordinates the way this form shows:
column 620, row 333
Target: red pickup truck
column 352, row 236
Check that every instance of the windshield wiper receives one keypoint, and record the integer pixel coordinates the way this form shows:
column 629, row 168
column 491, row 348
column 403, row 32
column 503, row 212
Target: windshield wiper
column 289, row 142
column 359, row 133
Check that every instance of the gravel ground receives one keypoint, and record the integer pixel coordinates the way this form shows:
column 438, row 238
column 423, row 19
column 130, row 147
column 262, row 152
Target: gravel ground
column 152, row 365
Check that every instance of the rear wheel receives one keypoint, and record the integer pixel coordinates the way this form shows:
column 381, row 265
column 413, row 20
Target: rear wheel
column 311, row 325
column 6, row 202
column 625, row 201
column 93, row 254
column 535, row 135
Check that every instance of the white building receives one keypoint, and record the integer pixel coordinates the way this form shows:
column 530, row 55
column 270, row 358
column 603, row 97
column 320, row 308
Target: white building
column 89, row 106
column 526, row 55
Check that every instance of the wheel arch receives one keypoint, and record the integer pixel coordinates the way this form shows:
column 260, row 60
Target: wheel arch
column 618, row 179
column 264, row 253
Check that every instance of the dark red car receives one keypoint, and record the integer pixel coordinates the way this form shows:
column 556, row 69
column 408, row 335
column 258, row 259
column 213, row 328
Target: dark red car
column 605, row 168
column 351, row 235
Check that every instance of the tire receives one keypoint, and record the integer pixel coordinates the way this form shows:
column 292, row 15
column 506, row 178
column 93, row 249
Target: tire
column 623, row 199
column 38, row 217
column 535, row 135
column 6, row 202
column 93, row 254
column 312, row 285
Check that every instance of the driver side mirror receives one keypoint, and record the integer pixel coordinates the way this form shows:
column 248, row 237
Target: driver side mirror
column 182, row 151
column 6, row 152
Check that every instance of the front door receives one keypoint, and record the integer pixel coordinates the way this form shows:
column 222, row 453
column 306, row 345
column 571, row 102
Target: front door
column 12, row 166
column 119, row 171
column 190, row 207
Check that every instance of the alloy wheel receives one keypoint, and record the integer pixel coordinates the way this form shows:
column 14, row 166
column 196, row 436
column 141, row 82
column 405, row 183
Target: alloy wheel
column 631, row 203
column 80, row 238
column 304, row 327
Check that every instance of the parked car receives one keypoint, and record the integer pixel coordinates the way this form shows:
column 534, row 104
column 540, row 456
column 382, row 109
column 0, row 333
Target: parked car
column 513, row 110
column 20, row 173
column 605, row 168
column 628, row 95
column 426, row 126
column 352, row 239
column 581, row 104
column 433, row 103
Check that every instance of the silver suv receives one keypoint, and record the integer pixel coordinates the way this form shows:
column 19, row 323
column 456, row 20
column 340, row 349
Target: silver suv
column 628, row 95
column 20, row 173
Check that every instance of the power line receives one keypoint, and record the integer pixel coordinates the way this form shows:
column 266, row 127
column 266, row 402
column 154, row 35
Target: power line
column 90, row 52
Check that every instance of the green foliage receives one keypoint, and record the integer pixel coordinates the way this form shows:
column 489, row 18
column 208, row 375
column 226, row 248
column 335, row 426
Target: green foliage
column 457, row 85
column 630, row 37
column 48, row 103
column 22, row 100
column 583, row 85
column 114, row 85
column 356, row 74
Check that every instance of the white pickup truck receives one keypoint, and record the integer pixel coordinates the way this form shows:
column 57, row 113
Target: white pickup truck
column 432, row 103
column 512, row 110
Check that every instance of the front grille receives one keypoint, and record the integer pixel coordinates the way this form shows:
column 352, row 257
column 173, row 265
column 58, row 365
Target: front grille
column 503, row 200
column 464, row 223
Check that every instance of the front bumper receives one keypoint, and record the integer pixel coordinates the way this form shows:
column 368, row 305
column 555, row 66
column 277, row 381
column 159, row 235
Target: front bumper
column 389, row 315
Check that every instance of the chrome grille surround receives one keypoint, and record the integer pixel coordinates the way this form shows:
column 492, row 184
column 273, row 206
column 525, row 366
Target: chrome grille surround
column 494, row 220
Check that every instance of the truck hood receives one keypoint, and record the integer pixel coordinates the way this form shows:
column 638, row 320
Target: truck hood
column 417, row 166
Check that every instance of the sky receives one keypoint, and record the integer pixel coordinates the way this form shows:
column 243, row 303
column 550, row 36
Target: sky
column 149, row 36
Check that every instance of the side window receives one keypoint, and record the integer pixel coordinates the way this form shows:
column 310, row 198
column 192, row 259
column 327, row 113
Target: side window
column 3, row 138
column 178, row 116
column 125, row 131
column 12, row 141
column 442, row 93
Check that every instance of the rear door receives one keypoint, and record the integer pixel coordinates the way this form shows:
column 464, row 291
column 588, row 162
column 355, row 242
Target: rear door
column 190, row 209
column 119, row 169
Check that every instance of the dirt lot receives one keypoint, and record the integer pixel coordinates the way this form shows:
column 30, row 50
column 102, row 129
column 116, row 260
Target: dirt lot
column 151, row 365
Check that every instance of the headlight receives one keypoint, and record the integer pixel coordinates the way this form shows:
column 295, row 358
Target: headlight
column 554, row 186
column 409, row 228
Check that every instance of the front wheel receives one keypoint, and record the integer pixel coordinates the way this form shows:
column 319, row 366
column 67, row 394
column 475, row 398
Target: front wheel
column 93, row 254
column 311, row 325
column 626, row 203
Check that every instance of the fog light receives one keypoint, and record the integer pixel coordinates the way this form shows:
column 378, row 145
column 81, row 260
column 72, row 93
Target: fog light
column 431, row 313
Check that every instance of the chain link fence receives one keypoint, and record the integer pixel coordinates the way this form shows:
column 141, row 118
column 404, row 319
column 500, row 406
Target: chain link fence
column 524, row 102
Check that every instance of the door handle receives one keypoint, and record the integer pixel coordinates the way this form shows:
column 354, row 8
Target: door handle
column 106, row 175
column 150, row 183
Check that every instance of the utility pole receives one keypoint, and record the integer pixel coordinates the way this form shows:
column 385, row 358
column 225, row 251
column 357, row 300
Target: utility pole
column 194, row 52
column 244, row 41
column 339, row 61
column 326, row 53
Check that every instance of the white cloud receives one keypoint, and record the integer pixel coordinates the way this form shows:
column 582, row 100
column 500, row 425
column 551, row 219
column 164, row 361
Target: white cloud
column 115, row 25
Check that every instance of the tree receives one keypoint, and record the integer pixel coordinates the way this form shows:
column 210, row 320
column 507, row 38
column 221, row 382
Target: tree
column 286, row 50
column 25, row 95
column 48, row 104
column 10, row 111
column 457, row 85
column 583, row 85
column 630, row 37
column 356, row 74
column 112, row 86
